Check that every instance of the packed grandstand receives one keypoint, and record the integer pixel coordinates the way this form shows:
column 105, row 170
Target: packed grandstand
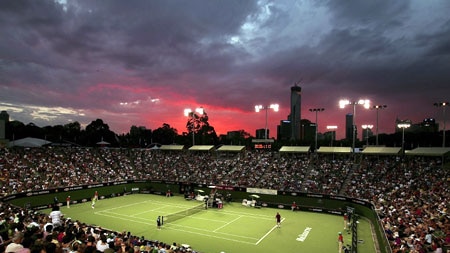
column 411, row 194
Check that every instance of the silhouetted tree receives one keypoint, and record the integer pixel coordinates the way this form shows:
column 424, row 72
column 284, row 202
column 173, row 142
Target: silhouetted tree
column 165, row 134
column 139, row 136
column 97, row 131
column 15, row 130
column 203, row 131
column 53, row 133
column 240, row 137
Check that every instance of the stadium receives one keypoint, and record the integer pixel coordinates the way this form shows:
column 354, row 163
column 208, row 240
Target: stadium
column 225, row 199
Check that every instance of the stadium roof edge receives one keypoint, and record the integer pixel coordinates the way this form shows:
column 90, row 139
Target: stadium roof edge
column 429, row 151
column 294, row 149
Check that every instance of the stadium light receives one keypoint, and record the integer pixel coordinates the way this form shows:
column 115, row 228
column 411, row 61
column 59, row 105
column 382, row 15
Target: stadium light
column 275, row 108
column 189, row 113
column 345, row 102
column 333, row 133
column 316, row 110
column 403, row 125
column 367, row 128
column 443, row 105
column 378, row 107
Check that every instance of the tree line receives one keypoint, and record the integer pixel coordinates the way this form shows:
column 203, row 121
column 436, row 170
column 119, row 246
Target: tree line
column 197, row 127
column 198, row 130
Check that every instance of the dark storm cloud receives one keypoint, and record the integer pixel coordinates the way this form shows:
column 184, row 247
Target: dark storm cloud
column 378, row 14
column 361, row 51
column 113, row 57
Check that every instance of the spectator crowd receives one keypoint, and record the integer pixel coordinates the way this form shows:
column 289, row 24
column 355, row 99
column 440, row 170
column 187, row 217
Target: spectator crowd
column 411, row 195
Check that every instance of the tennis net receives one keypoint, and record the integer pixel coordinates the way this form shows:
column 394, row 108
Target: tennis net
column 178, row 215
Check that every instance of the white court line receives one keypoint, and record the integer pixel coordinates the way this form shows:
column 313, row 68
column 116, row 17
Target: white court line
column 110, row 213
column 113, row 214
column 226, row 224
column 190, row 230
column 170, row 225
column 137, row 203
column 270, row 231
column 147, row 201
column 213, row 236
column 148, row 211
column 118, row 217
column 247, row 214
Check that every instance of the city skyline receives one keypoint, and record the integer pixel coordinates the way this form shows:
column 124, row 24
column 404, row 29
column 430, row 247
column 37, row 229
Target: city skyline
column 143, row 62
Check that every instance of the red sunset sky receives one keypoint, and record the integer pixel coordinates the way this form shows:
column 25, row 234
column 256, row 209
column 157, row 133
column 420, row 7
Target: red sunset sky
column 143, row 62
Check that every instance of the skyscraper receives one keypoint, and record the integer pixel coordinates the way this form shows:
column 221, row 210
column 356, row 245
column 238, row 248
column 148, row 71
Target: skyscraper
column 349, row 126
column 296, row 109
column 4, row 119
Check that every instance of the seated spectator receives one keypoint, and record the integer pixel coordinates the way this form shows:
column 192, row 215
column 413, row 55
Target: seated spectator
column 16, row 244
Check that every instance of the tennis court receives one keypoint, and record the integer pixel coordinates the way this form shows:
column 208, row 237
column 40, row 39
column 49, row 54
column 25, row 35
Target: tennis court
column 234, row 228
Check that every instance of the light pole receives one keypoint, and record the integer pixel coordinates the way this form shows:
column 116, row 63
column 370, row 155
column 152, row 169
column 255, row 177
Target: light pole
column 333, row 133
column 189, row 113
column 343, row 103
column 258, row 108
column 443, row 105
column 366, row 129
column 316, row 110
column 403, row 125
column 378, row 107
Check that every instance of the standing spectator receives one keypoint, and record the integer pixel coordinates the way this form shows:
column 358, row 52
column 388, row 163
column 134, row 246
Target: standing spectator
column 68, row 201
column 346, row 221
column 206, row 202
column 56, row 216
column 340, row 241
column 278, row 219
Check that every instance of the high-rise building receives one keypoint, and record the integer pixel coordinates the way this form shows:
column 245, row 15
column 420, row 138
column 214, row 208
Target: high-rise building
column 296, row 109
column 366, row 133
column 284, row 130
column 261, row 133
column 428, row 125
column 349, row 126
column 4, row 119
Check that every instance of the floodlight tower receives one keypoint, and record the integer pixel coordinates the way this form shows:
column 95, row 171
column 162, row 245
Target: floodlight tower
column 366, row 129
column 377, row 107
column 316, row 110
column 403, row 125
column 333, row 131
column 363, row 102
column 258, row 108
column 443, row 105
column 190, row 113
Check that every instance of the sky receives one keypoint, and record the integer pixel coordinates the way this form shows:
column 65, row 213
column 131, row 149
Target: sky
column 143, row 62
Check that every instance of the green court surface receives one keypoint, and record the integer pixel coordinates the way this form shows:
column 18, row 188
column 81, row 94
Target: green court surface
column 235, row 228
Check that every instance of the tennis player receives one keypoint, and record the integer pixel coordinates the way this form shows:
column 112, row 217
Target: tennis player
column 93, row 200
column 158, row 222
column 278, row 219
